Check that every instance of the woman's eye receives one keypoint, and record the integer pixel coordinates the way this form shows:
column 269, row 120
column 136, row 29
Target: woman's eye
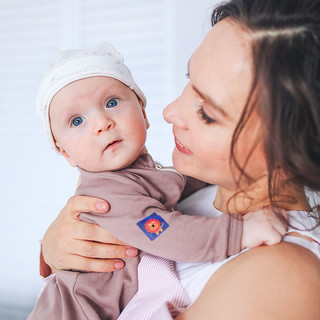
column 75, row 122
column 205, row 117
column 112, row 103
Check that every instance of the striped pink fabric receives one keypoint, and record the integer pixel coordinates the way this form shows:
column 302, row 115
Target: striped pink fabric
column 159, row 286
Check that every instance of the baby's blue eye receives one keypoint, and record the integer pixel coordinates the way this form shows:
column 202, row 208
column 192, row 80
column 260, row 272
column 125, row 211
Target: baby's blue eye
column 112, row 103
column 76, row 121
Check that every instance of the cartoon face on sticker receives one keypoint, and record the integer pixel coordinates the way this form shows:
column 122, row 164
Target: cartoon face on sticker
column 153, row 226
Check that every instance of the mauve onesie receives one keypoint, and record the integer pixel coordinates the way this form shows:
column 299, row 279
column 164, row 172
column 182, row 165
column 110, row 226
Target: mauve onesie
column 143, row 213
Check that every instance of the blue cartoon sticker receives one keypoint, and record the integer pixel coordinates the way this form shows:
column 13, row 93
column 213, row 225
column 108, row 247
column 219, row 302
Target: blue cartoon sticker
column 153, row 226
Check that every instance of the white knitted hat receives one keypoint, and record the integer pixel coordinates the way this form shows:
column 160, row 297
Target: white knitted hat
column 72, row 65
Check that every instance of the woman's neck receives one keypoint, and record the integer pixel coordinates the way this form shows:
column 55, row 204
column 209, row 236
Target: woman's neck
column 256, row 197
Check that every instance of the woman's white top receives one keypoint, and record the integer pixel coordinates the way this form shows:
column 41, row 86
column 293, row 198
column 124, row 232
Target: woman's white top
column 194, row 276
column 167, row 287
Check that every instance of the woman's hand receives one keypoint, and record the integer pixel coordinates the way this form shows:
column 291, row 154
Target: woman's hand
column 70, row 243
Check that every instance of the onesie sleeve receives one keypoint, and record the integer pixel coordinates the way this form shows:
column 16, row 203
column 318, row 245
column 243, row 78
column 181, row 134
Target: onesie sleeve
column 139, row 218
column 192, row 185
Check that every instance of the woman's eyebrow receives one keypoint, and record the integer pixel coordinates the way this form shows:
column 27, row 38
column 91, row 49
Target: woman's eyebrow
column 210, row 101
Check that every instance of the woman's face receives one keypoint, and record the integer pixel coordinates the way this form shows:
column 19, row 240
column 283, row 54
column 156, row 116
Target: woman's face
column 204, row 117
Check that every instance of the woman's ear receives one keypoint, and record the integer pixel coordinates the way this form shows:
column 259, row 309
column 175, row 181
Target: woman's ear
column 65, row 154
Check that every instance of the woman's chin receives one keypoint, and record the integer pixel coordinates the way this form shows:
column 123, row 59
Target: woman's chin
column 181, row 165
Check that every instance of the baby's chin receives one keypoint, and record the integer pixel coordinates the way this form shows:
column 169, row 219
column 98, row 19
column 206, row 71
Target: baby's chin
column 112, row 161
column 117, row 165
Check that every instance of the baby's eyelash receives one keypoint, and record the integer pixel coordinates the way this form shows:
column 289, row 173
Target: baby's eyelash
column 76, row 121
column 205, row 117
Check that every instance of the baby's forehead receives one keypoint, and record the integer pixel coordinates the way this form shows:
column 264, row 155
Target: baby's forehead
column 90, row 89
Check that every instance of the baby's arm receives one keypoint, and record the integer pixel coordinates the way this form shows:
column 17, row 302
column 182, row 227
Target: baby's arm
column 172, row 235
column 134, row 203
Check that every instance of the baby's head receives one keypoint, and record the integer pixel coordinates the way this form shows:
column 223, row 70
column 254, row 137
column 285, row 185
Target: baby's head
column 92, row 110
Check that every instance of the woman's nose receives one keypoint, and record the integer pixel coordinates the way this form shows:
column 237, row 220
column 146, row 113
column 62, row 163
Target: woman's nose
column 174, row 114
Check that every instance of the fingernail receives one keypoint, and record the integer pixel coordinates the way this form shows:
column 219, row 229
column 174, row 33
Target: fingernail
column 119, row 265
column 102, row 206
column 131, row 252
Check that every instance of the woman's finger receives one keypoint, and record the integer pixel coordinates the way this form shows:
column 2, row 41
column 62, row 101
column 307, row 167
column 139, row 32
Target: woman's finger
column 79, row 263
column 78, row 204
column 90, row 249
column 92, row 232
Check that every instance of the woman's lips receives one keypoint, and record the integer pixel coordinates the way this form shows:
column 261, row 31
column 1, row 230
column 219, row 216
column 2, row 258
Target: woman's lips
column 181, row 147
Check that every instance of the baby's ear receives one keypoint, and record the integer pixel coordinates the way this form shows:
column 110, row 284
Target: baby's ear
column 66, row 156
column 144, row 112
column 145, row 118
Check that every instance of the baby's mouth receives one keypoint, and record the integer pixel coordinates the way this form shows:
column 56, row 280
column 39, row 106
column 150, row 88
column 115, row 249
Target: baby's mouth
column 113, row 143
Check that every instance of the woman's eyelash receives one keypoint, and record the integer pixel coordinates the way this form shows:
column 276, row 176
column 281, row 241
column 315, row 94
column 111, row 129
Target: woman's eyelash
column 188, row 75
column 205, row 117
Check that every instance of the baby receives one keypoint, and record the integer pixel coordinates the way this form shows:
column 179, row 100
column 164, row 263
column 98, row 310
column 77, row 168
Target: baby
column 94, row 115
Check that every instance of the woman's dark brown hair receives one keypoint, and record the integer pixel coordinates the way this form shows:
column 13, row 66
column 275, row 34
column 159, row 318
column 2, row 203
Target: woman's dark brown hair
column 286, row 64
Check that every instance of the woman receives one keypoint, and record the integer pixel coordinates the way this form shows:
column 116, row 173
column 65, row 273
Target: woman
column 249, row 122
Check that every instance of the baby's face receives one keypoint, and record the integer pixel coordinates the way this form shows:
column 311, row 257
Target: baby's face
column 98, row 124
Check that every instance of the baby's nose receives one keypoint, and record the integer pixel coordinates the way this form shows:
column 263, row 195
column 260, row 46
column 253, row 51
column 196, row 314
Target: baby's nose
column 105, row 125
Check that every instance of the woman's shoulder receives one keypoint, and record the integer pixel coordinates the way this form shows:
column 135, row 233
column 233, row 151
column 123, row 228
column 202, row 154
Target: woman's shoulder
column 285, row 261
column 268, row 282
column 281, row 281
column 283, row 253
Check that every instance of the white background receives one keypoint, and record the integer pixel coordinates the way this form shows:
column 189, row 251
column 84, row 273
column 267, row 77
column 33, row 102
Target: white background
column 156, row 38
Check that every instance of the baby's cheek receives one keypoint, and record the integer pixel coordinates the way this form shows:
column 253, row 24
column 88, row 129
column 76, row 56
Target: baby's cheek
column 139, row 132
column 85, row 152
